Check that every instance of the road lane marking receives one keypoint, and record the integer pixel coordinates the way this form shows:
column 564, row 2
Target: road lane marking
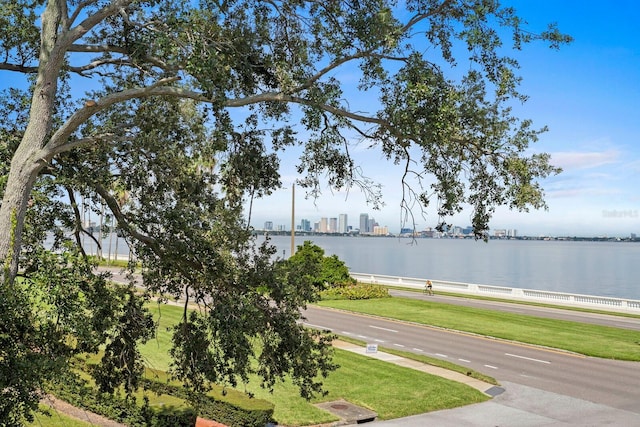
column 383, row 329
column 418, row 349
column 462, row 333
column 362, row 336
column 311, row 325
column 442, row 355
column 465, row 360
column 490, row 366
column 399, row 345
column 528, row 358
column 346, row 333
column 376, row 340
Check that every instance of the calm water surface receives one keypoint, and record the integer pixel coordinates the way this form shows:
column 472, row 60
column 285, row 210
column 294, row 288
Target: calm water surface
column 592, row 268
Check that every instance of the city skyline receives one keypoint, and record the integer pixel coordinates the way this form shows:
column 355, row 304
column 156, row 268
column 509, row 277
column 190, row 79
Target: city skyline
column 368, row 225
column 588, row 95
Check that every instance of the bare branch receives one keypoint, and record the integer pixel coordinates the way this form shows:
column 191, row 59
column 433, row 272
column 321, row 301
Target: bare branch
column 78, row 228
column 91, row 21
column 18, row 68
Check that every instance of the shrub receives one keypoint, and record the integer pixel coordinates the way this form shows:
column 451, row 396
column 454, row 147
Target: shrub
column 169, row 416
column 215, row 409
column 355, row 292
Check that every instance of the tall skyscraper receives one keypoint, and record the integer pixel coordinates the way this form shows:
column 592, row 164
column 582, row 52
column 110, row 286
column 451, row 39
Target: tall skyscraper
column 372, row 223
column 342, row 224
column 364, row 223
column 324, row 225
column 333, row 225
column 268, row 225
column 305, row 225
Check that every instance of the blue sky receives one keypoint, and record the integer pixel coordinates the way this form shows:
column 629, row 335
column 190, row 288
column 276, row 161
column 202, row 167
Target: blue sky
column 587, row 93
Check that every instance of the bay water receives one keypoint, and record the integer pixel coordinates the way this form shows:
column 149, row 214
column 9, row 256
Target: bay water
column 583, row 267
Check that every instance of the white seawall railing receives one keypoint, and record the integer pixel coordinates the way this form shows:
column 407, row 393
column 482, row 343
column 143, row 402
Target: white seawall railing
column 532, row 295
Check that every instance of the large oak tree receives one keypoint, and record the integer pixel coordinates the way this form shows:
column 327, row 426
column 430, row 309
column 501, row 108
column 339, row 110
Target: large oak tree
column 172, row 115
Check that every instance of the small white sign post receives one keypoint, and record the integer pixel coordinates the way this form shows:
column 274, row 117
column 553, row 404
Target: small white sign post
column 372, row 348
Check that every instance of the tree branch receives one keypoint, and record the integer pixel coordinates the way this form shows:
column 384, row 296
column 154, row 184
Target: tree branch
column 59, row 141
column 18, row 68
column 85, row 48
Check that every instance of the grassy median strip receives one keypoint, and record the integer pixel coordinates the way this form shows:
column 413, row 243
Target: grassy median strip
column 391, row 391
column 428, row 361
column 515, row 301
column 590, row 340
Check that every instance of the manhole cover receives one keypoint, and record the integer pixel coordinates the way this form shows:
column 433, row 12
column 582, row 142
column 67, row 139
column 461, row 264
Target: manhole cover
column 339, row 407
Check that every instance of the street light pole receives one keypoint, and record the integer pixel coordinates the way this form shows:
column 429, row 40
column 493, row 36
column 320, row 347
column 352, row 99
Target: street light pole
column 293, row 209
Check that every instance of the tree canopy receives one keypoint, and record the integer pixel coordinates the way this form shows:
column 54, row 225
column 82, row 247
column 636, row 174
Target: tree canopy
column 172, row 116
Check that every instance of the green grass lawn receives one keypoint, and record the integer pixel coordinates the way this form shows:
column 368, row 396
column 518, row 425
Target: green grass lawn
column 55, row 419
column 590, row 340
column 391, row 391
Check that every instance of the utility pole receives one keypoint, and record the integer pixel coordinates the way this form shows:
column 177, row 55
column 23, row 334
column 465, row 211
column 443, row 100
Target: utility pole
column 293, row 210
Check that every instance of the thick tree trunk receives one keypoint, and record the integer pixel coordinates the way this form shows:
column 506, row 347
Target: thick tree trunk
column 24, row 170
column 30, row 157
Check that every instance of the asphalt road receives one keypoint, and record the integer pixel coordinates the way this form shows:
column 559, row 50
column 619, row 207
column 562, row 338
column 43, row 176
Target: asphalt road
column 607, row 382
column 544, row 387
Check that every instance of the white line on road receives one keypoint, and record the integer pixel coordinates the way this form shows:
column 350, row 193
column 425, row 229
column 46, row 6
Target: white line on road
column 399, row 345
column 465, row 360
column 362, row 336
column 441, row 355
column 492, row 367
column 382, row 329
column 528, row 358
column 311, row 325
column 346, row 333
column 376, row 340
column 418, row 349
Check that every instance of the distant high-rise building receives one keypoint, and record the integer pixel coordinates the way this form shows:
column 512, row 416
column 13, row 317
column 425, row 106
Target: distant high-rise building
column 342, row 224
column 372, row 223
column 305, row 225
column 364, row 223
column 324, row 225
column 268, row 225
column 333, row 225
column 380, row 231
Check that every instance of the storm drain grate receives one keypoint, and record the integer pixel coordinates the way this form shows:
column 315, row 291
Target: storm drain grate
column 348, row 412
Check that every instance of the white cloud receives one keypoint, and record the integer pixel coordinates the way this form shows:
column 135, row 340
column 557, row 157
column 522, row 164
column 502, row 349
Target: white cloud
column 569, row 160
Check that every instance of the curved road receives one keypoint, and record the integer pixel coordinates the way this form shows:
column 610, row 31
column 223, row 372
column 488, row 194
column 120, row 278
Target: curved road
column 543, row 386
column 608, row 382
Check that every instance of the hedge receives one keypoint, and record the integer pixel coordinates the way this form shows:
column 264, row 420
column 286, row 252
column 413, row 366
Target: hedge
column 79, row 392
